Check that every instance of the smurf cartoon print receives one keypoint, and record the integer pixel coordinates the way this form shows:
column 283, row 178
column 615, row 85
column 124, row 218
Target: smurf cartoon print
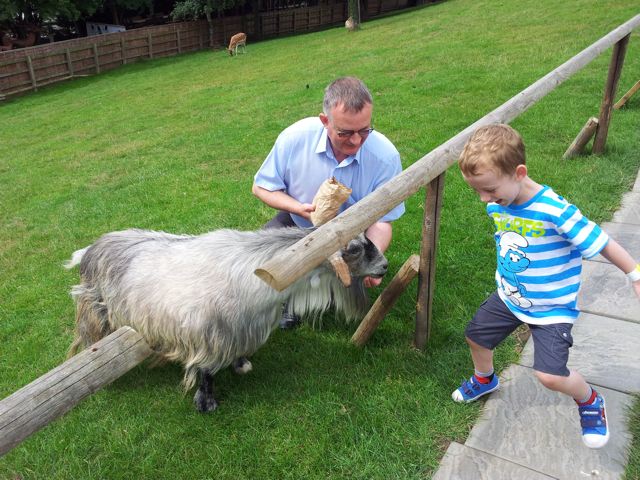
column 512, row 260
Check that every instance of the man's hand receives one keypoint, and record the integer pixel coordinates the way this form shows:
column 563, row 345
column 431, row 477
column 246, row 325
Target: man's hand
column 279, row 200
column 305, row 210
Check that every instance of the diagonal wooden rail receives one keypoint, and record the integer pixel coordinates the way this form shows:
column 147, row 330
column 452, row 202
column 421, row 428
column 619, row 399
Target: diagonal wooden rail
column 58, row 391
column 291, row 264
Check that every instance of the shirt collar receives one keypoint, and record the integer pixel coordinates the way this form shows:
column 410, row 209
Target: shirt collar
column 323, row 147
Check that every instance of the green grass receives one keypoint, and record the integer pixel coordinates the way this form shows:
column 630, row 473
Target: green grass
column 173, row 144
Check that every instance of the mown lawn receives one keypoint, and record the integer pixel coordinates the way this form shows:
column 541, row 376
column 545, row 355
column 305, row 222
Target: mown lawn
column 173, row 144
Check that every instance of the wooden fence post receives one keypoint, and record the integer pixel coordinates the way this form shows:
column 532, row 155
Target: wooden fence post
column 58, row 391
column 582, row 139
column 150, row 44
column 178, row 41
column 32, row 74
column 123, row 50
column 427, row 272
column 225, row 41
column 386, row 300
column 67, row 55
column 615, row 67
column 260, row 26
column 96, row 58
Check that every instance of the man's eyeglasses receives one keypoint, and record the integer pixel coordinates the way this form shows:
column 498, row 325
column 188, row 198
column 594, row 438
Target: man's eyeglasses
column 364, row 133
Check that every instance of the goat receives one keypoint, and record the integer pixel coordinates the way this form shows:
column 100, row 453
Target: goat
column 196, row 300
column 238, row 40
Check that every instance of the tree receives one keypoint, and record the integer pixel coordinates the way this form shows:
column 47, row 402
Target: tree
column 44, row 9
column 116, row 7
column 197, row 9
column 26, row 16
column 22, row 16
column 354, row 13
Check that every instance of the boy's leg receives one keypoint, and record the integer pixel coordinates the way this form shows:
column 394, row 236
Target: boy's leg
column 482, row 357
column 551, row 353
column 491, row 324
column 573, row 385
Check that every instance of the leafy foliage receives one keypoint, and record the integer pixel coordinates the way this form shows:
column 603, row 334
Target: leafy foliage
column 197, row 9
column 23, row 15
column 36, row 11
column 188, row 10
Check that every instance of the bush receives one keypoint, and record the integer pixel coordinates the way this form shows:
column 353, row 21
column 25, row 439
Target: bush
column 187, row 10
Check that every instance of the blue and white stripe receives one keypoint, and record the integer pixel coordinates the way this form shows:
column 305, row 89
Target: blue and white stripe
column 559, row 236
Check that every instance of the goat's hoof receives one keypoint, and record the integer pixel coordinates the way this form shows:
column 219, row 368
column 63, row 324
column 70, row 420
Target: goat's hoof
column 204, row 403
column 242, row 366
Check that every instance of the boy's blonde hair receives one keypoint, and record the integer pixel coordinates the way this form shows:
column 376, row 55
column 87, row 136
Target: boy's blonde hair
column 496, row 147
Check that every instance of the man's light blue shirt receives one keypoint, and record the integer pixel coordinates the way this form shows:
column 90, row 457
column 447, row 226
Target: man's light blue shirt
column 301, row 159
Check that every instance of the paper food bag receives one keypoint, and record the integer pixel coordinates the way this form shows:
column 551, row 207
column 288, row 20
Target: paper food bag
column 329, row 197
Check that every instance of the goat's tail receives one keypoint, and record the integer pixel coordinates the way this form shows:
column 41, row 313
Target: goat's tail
column 92, row 319
column 75, row 259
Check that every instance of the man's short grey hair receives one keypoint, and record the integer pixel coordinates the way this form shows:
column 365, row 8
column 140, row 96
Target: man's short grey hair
column 348, row 91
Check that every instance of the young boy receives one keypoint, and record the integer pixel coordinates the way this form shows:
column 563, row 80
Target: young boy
column 540, row 240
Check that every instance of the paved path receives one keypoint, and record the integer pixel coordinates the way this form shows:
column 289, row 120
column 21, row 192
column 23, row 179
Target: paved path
column 527, row 432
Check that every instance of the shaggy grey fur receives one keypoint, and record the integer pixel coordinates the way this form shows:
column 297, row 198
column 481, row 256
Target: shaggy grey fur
column 196, row 300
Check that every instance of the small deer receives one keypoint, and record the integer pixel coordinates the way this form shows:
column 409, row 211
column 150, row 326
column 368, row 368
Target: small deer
column 238, row 40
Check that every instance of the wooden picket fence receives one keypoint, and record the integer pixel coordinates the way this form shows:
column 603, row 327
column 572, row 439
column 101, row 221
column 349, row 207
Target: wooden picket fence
column 35, row 67
column 31, row 68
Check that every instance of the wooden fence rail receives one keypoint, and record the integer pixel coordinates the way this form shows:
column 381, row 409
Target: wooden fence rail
column 58, row 391
column 35, row 67
column 294, row 262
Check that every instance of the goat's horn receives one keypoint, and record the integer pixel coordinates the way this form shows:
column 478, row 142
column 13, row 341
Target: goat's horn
column 341, row 268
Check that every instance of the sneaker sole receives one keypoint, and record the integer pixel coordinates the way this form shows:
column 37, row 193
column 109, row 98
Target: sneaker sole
column 470, row 400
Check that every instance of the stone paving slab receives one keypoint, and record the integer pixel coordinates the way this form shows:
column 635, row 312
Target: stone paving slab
column 465, row 463
column 605, row 351
column 527, row 424
column 626, row 235
column 636, row 186
column 607, row 291
column 629, row 212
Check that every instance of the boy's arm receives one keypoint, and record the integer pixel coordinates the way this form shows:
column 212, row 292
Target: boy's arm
column 617, row 255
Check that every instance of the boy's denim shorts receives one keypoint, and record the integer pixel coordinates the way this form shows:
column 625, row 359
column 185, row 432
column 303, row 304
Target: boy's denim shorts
column 493, row 322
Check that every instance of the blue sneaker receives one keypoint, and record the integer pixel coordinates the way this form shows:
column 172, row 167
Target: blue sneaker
column 593, row 420
column 472, row 390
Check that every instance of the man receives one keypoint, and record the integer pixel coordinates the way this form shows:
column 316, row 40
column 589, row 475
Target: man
column 339, row 143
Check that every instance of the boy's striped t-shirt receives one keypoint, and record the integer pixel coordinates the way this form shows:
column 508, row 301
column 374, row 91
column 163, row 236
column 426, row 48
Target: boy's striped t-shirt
column 540, row 245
